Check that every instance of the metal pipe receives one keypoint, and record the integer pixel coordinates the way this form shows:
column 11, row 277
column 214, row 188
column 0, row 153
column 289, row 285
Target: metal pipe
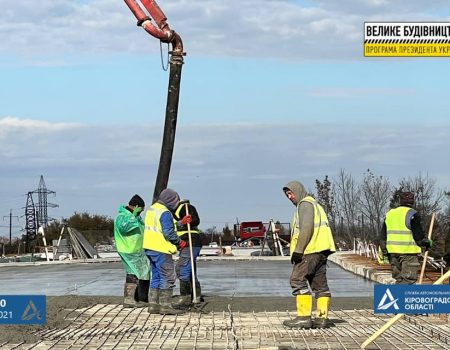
column 137, row 11
column 156, row 13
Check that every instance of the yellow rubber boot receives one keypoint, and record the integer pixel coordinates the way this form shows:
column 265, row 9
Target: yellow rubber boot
column 304, row 305
column 323, row 306
column 304, row 309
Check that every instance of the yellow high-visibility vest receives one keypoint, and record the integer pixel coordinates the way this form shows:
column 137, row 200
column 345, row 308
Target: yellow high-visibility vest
column 153, row 236
column 177, row 215
column 322, row 238
column 400, row 239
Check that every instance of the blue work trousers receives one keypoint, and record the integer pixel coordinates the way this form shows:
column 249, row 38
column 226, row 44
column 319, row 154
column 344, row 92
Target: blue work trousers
column 162, row 267
column 183, row 267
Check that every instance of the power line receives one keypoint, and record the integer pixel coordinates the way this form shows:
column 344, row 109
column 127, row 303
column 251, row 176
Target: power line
column 42, row 205
column 31, row 222
column 10, row 224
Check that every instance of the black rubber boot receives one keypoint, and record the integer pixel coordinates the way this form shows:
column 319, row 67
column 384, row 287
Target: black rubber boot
column 153, row 305
column 129, row 295
column 165, row 303
column 143, row 287
column 304, row 322
column 142, row 293
column 184, row 299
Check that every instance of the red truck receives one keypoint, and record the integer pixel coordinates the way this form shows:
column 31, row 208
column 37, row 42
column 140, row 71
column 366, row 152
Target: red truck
column 257, row 229
column 251, row 229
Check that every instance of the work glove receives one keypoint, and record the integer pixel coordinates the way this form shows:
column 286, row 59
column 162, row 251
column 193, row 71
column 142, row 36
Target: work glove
column 182, row 244
column 186, row 220
column 426, row 243
column 137, row 211
column 296, row 258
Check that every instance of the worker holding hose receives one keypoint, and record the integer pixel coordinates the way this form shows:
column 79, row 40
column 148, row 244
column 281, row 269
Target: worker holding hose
column 183, row 267
column 160, row 243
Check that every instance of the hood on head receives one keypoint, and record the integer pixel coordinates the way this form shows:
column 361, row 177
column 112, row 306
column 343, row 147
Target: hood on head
column 169, row 198
column 297, row 188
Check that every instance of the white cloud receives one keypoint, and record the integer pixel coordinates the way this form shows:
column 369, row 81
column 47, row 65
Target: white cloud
column 265, row 28
column 8, row 124
column 229, row 170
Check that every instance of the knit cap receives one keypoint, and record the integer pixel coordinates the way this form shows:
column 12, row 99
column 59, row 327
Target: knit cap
column 406, row 198
column 136, row 200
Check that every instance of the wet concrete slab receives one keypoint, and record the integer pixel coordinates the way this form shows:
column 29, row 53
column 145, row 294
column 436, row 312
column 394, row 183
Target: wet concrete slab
column 220, row 277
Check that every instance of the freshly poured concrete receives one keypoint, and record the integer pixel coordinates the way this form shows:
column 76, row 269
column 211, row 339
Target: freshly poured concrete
column 218, row 277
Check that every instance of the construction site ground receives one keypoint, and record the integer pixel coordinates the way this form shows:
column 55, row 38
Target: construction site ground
column 80, row 322
column 229, row 320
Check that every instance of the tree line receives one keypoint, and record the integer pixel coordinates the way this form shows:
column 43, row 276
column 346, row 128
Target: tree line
column 356, row 209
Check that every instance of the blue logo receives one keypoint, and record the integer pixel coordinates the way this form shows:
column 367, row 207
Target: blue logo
column 23, row 309
column 412, row 299
column 387, row 301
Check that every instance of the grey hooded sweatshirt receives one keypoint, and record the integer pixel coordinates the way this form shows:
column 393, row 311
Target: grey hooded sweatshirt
column 305, row 215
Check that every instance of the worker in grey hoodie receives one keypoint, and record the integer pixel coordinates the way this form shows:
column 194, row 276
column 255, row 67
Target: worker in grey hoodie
column 311, row 244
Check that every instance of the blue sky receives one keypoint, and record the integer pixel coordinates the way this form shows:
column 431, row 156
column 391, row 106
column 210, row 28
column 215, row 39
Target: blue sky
column 271, row 91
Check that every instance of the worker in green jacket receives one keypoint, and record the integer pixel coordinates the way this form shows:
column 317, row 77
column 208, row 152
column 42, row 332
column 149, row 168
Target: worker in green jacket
column 311, row 244
column 401, row 240
column 129, row 236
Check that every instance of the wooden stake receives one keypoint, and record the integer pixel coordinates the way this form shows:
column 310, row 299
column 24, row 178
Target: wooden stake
column 425, row 256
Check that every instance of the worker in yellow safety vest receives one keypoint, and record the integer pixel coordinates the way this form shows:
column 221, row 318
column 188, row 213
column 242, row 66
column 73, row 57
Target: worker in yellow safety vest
column 311, row 244
column 401, row 240
column 183, row 267
column 160, row 243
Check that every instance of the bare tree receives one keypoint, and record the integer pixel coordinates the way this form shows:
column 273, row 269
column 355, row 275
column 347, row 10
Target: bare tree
column 325, row 197
column 375, row 196
column 428, row 198
column 446, row 213
column 346, row 197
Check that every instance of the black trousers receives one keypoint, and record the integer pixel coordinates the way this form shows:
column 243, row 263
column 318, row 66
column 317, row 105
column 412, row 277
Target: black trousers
column 311, row 272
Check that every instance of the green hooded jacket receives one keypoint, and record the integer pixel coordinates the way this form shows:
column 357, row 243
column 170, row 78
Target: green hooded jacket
column 128, row 231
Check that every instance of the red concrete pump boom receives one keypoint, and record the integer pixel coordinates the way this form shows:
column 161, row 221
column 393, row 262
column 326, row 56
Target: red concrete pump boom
column 163, row 32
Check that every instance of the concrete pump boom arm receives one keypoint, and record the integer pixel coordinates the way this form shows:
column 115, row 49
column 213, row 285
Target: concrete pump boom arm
column 162, row 30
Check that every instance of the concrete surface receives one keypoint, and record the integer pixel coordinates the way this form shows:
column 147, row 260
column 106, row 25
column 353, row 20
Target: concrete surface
column 218, row 277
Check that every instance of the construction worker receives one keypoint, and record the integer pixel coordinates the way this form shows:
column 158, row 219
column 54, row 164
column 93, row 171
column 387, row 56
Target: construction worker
column 183, row 267
column 401, row 240
column 160, row 243
column 129, row 236
column 311, row 244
